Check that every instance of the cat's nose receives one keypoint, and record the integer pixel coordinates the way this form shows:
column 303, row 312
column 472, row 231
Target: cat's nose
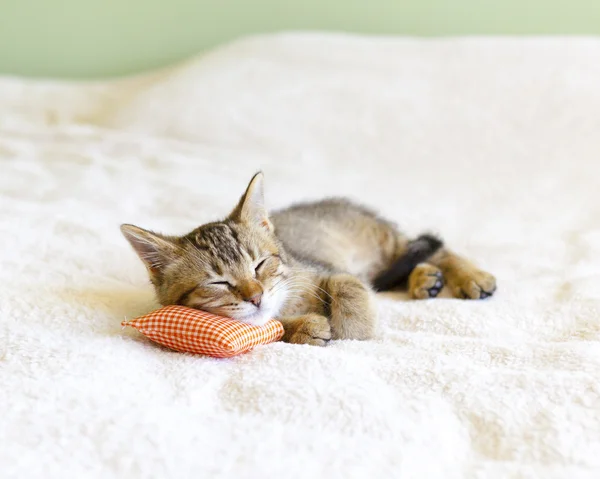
column 255, row 300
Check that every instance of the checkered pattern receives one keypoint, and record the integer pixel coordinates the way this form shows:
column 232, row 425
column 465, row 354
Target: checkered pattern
column 193, row 331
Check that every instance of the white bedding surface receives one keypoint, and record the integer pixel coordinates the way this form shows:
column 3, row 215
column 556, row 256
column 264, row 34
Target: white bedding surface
column 494, row 143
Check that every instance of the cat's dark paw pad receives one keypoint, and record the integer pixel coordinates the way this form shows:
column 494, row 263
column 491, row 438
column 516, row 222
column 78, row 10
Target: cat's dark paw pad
column 486, row 294
column 426, row 281
column 437, row 287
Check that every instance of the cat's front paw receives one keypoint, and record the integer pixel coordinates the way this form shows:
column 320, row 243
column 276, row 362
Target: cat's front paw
column 473, row 284
column 312, row 329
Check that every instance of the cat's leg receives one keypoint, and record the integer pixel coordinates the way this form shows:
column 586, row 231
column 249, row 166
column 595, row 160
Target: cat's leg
column 345, row 310
column 425, row 281
column 313, row 329
column 464, row 279
column 349, row 305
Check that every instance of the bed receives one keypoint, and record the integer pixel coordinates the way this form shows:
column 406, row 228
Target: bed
column 493, row 143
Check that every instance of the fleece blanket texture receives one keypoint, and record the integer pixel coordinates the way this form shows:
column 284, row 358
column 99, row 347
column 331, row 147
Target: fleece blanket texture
column 493, row 143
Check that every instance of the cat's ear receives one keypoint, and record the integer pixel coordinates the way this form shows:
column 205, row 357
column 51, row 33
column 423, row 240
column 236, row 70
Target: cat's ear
column 251, row 207
column 155, row 250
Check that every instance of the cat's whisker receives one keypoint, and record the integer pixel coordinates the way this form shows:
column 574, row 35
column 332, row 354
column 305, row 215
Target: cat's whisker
column 313, row 286
column 304, row 293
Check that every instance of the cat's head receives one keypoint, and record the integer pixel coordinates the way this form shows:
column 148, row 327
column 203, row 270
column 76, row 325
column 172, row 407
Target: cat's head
column 235, row 267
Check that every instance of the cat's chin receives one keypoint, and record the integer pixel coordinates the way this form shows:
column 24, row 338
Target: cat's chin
column 260, row 318
column 269, row 310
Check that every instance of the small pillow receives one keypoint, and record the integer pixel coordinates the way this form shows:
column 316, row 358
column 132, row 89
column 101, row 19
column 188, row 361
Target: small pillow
column 192, row 331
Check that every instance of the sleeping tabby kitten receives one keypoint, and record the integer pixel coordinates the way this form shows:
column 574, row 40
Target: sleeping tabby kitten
column 313, row 266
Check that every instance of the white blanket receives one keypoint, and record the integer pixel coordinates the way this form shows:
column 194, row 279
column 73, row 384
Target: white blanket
column 494, row 143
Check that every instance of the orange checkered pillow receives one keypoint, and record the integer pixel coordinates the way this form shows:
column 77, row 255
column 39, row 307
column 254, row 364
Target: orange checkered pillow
column 193, row 331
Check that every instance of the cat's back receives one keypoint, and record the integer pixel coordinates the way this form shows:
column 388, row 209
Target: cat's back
column 337, row 232
column 328, row 209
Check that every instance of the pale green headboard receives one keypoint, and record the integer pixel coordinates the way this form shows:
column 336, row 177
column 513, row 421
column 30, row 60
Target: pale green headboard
column 91, row 38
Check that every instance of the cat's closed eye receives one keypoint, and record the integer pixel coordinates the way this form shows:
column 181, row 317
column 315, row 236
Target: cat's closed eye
column 221, row 283
column 268, row 265
column 259, row 266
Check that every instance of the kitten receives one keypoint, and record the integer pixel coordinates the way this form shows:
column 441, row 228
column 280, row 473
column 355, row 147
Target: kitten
column 313, row 266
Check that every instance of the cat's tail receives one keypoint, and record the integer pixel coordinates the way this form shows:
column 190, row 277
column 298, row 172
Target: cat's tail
column 418, row 251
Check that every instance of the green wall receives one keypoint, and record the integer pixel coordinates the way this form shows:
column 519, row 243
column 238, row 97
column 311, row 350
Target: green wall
column 98, row 38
